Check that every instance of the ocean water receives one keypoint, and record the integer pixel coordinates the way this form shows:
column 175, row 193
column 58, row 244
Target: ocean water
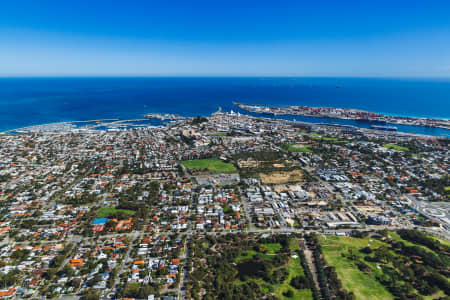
column 32, row 101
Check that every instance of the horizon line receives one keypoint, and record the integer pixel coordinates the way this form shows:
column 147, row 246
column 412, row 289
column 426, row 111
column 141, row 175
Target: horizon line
column 61, row 76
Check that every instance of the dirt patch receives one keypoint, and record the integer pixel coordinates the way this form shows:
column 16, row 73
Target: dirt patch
column 287, row 187
column 310, row 260
column 278, row 165
column 280, row 188
column 281, row 177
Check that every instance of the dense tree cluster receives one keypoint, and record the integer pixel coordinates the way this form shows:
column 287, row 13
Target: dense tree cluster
column 138, row 291
column 418, row 237
column 309, row 276
column 330, row 285
column 409, row 271
column 222, row 276
column 198, row 120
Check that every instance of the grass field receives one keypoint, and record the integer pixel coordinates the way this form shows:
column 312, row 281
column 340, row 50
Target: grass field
column 105, row 212
column 442, row 241
column 250, row 253
column 245, row 255
column 294, row 268
column 447, row 188
column 395, row 147
column 396, row 237
column 271, row 248
column 297, row 148
column 218, row 134
column 212, row 164
column 364, row 286
column 317, row 136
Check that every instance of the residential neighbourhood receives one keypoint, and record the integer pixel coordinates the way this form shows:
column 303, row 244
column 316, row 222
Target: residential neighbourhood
column 140, row 213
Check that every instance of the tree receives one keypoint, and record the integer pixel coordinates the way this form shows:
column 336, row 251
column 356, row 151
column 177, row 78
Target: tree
column 91, row 295
column 199, row 120
column 288, row 293
column 94, row 280
column 366, row 250
column 300, row 282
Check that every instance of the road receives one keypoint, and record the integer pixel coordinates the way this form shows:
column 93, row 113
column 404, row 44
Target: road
column 441, row 215
column 185, row 271
column 247, row 211
column 113, row 289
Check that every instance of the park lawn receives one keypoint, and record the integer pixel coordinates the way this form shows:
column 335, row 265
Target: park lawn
column 304, row 294
column 442, row 241
column 396, row 237
column 438, row 295
column 218, row 134
column 395, row 147
column 105, row 212
column 317, row 136
column 272, row 248
column 296, row 148
column 447, row 188
column 212, row 164
column 294, row 245
column 364, row 286
column 295, row 269
column 248, row 254
column 264, row 286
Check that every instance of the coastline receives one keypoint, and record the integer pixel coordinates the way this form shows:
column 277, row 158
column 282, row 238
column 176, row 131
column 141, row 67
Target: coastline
column 27, row 102
column 56, row 123
column 337, row 113
column 111, row 124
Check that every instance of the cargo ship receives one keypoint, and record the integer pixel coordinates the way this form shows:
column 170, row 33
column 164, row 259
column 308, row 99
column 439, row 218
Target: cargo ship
column 385, row 128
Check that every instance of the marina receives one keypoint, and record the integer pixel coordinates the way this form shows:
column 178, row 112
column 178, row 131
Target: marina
column 91, row 125
column 163, row 117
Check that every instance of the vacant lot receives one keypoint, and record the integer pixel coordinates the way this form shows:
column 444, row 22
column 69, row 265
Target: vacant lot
column 278, row 165
column 213, row 164
column 395, row 147
column 281, row 177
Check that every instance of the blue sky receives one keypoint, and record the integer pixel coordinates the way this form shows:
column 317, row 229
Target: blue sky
column 225, row 38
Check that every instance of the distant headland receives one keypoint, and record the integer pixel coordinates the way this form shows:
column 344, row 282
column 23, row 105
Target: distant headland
column 343, row 113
